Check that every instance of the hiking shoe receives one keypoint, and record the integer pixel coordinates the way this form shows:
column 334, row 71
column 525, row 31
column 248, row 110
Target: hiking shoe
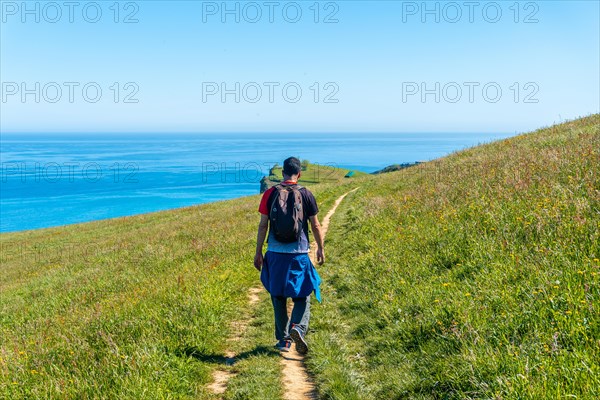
column 284, row 345
column 298, row 337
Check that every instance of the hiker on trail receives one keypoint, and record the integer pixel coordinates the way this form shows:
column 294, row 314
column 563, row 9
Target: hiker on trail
column 287, row 271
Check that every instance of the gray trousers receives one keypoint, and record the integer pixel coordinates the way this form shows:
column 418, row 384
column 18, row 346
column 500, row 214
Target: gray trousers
column 300, row 315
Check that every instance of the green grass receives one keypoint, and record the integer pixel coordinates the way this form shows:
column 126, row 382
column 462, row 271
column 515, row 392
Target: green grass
column 111, row 307
column 472, row 276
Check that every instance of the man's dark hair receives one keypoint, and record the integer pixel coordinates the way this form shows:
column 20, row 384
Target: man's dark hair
column 292, row 166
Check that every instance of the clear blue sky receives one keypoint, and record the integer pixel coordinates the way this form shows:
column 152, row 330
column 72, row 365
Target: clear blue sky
column 375, row 59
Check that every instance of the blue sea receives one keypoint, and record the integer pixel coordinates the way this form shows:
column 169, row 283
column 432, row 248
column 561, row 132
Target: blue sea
column 57, row 179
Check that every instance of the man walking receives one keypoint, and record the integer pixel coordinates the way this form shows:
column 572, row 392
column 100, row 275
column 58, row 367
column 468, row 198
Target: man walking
column 286, row 269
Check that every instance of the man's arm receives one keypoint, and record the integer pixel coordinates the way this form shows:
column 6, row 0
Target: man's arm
column 260, row 240
column 316, row 229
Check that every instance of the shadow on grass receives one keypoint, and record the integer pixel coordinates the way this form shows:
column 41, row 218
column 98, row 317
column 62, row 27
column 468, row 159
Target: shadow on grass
column 198, row 354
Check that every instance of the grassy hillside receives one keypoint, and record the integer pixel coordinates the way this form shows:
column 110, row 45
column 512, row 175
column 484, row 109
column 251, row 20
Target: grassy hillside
column 474, row 276
column 135, row 307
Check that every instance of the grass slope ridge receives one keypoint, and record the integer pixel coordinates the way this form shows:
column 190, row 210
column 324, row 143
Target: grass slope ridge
column 473, row 276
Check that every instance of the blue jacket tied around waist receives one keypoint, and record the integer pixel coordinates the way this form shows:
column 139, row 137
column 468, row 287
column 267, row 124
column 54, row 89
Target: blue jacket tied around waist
column 290, row 275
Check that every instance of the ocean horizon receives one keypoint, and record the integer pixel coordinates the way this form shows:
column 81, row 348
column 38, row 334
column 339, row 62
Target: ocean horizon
column 55, row 179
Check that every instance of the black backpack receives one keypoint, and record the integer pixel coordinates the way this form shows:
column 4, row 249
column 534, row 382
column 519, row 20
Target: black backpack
column 286, row 215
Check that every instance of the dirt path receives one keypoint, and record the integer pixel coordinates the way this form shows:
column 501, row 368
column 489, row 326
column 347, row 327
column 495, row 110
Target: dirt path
column 325, row 223
column 297, row 383
column 222, row 376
